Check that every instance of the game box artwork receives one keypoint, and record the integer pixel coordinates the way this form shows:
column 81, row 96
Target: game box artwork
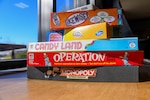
column 80, row 59
column 88, row 32
column 63, row 20
column 112, row 44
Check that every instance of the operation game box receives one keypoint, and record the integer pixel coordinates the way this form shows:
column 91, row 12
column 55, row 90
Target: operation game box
column 80, row 59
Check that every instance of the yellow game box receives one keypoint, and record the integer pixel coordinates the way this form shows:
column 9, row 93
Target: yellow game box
column 88, row 32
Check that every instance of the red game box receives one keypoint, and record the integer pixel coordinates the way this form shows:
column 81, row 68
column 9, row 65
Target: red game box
column 85, row 59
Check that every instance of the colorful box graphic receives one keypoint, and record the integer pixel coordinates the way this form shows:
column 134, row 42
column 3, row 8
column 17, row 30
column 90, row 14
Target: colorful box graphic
column 103, row 74
column 89, row 72
column 80, row 59
column 54, row 36
column 94, row 31
column 63, row 20
column 111, row 44
column 86, row 7
column 70, row 73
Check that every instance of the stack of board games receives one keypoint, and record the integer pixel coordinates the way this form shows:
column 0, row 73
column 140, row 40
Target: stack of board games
column 81, row 44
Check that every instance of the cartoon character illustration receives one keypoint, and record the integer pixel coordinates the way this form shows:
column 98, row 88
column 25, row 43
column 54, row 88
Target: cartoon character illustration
column 52, row 72
column 48, row 73
column 56, row 71
column 125, row 59
column 46, row 59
